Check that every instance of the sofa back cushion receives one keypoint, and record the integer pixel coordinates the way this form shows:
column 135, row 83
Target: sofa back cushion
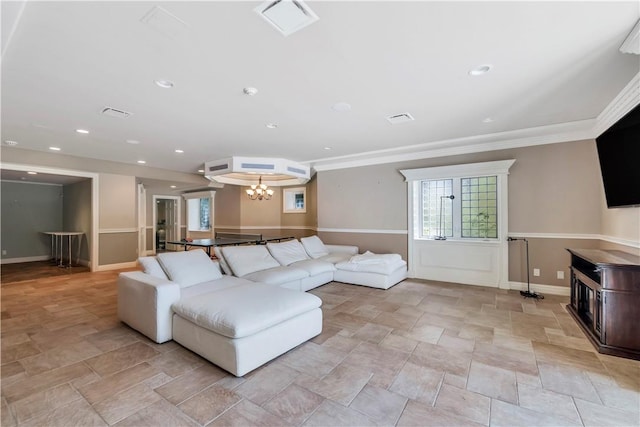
column 188, row 268
column 287, row 252
column 245, row 260
column 151, row 266
column 314, row 247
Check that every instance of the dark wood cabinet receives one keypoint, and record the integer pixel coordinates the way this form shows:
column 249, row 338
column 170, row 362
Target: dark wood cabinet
column 605, row 299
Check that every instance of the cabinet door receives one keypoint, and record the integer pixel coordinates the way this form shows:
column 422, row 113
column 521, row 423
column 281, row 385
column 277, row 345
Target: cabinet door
column 620, row 319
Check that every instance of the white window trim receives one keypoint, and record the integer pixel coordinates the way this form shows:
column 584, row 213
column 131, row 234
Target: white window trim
column 201, row 195
column 498, row 168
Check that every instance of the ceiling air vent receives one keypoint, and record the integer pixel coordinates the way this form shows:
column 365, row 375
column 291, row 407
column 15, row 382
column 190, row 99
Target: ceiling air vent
column 286, row 16
column 400, row 118
column 114, row 112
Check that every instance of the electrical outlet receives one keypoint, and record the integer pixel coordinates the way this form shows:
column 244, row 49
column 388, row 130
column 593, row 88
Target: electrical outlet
column 560, row 274
column 536, row 272
column 4, row 252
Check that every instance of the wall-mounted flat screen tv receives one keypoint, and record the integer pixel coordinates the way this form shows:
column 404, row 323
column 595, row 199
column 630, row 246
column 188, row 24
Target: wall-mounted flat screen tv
column 619, row 155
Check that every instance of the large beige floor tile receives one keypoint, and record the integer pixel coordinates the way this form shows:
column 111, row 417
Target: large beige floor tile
column 294, row 404
column 417, row 414
column 544, row 401
column 122, row 405
column 43, row 402
column 418, row 383
column 379, row 405
column 595, row 415
column 333, row 414
column 267, row 383
column 160, row 413
column 568, row 380
column 494, row 382
column 463, row 403
column 209, row 403
column 190, row 383
column 505, row 414
column 121, row 359
column 246, row 413
column 77, row 413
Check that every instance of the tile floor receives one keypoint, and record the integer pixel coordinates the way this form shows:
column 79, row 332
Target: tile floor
column 421, row 354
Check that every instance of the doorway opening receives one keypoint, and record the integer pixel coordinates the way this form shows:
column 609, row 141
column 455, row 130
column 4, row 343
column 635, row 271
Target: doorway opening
column 166, row 222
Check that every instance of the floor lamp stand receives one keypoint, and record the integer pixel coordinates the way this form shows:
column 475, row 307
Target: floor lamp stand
column 441, row 235
column 527, row 293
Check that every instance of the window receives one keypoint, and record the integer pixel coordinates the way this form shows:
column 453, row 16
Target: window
column 293, row 200
column 436, row 203
column 478, row 209
column 473, row 209
column 199, row 210
column 199, row 214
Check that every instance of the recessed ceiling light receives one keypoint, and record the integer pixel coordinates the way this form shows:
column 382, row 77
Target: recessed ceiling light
column 54, row 148
column 84, row 131
column 10, row 142
column 165, row 84
column 251, row 91
column 172, row 186
column 179, row 151
column 327, row 148
column 480, row 70
column 487, row 120
column 133, row 141
column 341, row 106
column 201, row 170
column 32, row 173
column 142, row 162
column 271, row 125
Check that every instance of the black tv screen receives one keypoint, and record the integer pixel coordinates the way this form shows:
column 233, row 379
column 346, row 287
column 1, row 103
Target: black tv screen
column 619, row 154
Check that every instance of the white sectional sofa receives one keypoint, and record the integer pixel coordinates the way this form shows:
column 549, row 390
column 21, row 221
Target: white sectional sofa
column 253, row 313
column 309, row 263
column 235, row 323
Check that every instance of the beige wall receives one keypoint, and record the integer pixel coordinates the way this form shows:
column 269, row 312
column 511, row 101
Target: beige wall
column 227, row 206
column 117, row 248
column 553, row 189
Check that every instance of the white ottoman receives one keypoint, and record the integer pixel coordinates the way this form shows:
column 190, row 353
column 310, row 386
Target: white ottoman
column 374, row 270
column 241, row 328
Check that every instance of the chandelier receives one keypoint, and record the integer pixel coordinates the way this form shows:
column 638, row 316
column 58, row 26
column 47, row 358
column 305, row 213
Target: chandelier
column 260, row 191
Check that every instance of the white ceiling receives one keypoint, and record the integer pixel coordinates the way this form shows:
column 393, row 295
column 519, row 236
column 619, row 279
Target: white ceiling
column 552, row 63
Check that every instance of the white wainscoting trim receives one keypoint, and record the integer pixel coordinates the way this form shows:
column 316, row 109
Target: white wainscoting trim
column 118, row 266
column 362, row 230
column 541, row 288
column 117, row 230
column 25, row 259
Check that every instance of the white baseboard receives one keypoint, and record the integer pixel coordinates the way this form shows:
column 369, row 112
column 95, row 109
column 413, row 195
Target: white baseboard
column 542, row 289
column 119, row 266
column 25, row 259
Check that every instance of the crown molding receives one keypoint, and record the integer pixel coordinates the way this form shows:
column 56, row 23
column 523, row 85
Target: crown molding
column 563, row 132
column 627, row 99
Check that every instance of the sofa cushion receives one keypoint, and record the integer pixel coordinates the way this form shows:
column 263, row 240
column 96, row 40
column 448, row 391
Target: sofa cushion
column 244, row 310
column 335, row 257
column 152, row 267
column 380, row 268
column 370, row 258
column 314, row 266
column 245, row 260
column 212, row 286
column 188, row 268
column 223, row 262
column 314, row 246
column 287, row 252
column 277, row 275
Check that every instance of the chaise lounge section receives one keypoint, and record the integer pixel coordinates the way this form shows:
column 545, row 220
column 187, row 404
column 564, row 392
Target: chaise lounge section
column 234, row 323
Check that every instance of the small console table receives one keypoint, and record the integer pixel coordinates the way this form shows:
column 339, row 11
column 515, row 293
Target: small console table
column 605, row 299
